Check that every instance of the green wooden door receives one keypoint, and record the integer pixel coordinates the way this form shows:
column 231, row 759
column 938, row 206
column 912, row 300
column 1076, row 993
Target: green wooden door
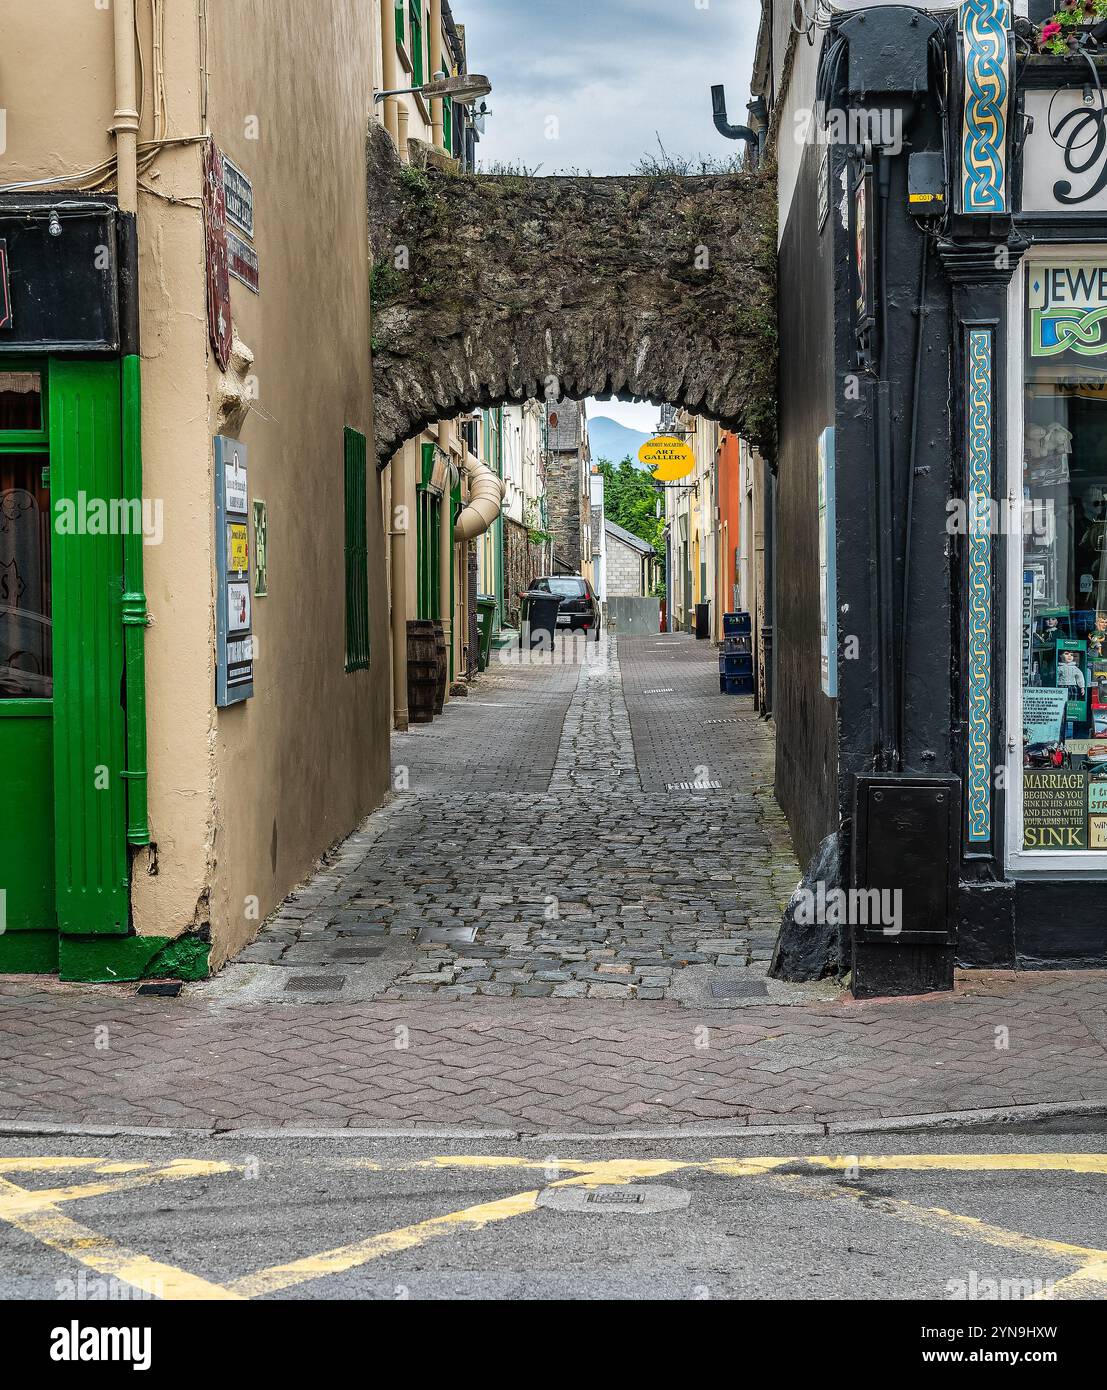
column 90, row 816
column 28, row 922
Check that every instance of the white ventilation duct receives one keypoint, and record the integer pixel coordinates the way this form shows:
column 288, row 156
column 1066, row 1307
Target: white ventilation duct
column 486, row 495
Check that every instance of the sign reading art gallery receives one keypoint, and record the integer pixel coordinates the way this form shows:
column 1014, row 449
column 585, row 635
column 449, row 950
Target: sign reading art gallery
column 234, row 669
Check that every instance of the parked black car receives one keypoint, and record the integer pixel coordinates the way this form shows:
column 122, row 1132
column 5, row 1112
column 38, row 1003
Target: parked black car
column 579, row 607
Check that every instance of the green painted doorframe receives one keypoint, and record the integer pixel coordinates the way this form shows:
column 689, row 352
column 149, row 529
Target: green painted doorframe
column 135, row 615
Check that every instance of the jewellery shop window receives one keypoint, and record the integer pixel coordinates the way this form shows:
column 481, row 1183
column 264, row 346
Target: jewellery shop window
column 1064, row 570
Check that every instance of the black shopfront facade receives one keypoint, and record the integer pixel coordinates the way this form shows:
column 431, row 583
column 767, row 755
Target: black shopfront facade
column 943, row 308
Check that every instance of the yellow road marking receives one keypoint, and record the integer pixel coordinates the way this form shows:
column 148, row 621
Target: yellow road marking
column 937, row 1219
column 50, row 1165
column 348, row 1257
column 1090, row 1274
column 36, row 1212
column 26, row 1212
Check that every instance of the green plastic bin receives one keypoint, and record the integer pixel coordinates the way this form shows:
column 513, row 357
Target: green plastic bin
column 486, row 607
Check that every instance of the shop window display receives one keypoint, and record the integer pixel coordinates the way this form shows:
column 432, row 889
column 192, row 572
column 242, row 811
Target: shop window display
column 1064, row 599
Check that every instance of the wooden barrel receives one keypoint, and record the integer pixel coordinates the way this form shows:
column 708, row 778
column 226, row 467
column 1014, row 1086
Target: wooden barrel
column 422, row 671
column 442, row 668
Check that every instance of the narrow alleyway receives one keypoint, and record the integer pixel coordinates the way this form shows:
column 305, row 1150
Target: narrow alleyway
column 600, row 825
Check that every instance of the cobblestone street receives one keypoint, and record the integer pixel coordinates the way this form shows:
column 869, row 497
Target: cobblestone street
column 549, row 836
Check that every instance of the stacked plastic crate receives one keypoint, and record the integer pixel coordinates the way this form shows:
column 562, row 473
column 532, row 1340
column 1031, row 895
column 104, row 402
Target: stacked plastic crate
column 736, row 657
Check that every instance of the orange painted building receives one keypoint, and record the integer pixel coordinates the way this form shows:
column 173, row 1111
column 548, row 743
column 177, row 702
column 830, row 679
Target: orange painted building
column 729, row 501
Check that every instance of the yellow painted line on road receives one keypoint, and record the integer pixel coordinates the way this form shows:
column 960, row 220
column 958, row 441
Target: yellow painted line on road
column 51, row 1165
column 45, row 1223
column 347, row 1257
column 937, row 1220
column 944, row 1163
column 1075, row 1283
column 37, row 1214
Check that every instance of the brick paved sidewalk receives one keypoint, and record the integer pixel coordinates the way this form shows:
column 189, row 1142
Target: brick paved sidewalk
column 615, row 971
column 72, row 1054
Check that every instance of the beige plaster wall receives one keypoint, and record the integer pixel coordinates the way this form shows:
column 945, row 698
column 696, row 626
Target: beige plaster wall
column 242, row 801
column 57, row 83
column 303, row 761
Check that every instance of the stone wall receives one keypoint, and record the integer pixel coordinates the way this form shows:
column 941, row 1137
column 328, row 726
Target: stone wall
column 489, row 289
column 523, row 562
column 563, row 503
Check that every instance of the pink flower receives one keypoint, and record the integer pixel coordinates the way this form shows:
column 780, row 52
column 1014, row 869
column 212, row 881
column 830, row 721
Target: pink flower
column 1049, row 31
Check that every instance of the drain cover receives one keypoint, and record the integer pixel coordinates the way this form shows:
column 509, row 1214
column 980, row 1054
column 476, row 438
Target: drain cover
column 709, row 722
column 358, row 952
column 312, row 983
column 450, row 936
column 637, row 1199
column 658, row 692
column 693, row 786
column 169, row 991
column 739, row 989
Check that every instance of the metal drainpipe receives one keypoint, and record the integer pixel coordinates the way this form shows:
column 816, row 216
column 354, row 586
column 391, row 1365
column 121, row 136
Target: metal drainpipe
column 397, row 537
column 134, row 611
column 446, row 550
column 125, row 125
column 389, row 68
column 438, row 110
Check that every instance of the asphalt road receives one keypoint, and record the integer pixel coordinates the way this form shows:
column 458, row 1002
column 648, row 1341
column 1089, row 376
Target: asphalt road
column 904, row 1217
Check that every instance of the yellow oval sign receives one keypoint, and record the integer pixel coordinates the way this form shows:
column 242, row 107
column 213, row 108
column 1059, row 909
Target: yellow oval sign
column 668, row 458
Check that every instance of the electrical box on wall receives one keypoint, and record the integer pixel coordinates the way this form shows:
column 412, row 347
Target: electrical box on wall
column 906, row 848
column 889, row 51
column 926, row 183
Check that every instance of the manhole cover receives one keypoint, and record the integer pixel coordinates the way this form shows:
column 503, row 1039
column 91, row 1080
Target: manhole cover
column 320, row 983
column 446, row 935
column 358, row 952
column 739, row 989
column 637, row 1199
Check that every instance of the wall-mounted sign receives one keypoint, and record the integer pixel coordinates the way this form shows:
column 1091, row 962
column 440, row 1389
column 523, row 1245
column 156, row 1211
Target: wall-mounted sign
column 1065, row 155
column 5, row 290
column 242, row 261
column 239, row 194
column 1068, row 310
column 668, row 458
column 261, row 549
column 238, row 547
column 234, row 634
column 220, row 324
column 828, row 565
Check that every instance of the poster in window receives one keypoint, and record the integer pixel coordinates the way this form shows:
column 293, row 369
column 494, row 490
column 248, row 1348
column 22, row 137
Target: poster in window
column 1055, row 815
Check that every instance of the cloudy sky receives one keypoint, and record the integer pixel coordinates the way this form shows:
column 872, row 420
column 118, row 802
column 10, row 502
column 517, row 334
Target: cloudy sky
column 588, row 86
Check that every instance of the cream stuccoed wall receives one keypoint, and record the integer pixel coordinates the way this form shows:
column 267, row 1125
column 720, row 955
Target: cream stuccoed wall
column 299, row 765
column 59, row 114
column 242, row 801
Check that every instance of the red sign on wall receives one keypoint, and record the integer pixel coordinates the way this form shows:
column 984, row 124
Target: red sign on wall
column 220, row 324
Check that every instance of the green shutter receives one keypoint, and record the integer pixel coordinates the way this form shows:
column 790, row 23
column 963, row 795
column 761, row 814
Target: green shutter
column 416, row 43
column 401, row 27
column 89, row 733
column 448, row 124
column 357, row 555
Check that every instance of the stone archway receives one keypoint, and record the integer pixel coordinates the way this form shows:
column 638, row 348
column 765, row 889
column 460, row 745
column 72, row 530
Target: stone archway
column 496, row 288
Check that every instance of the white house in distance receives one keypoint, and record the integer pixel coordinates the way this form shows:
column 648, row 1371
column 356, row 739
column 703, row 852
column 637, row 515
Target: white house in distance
column 631, row 563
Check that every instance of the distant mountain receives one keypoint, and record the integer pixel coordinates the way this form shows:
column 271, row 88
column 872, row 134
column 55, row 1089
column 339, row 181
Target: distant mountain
column 612, row 441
